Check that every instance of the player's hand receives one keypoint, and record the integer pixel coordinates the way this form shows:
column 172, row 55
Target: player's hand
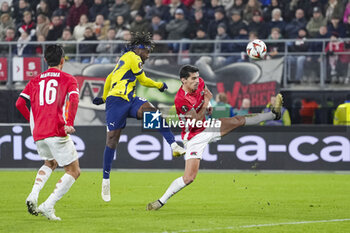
column 69, row 129
column 163, row 88
column 207, row 95
column 98, row 101
column 209, row 111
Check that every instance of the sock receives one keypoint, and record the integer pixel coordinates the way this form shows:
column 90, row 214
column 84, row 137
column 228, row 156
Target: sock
column 260, row 117
column 176, row 186
column 108, row 156
column 62, row 187
column 166, row 132
column 41, row 177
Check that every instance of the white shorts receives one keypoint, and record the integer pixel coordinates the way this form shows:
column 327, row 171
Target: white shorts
column 61, row 149
column 196, row 145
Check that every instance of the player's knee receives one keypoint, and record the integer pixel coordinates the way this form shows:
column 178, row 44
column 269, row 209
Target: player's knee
column 238, row 120
column 77, row 173
column 189, row 179
column 51, row 164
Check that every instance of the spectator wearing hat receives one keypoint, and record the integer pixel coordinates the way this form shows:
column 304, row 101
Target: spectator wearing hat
column 252, row 5
column 277, row 21
column 177, row 29
column 316, row 22
column 258, row 25
column 139, row 25
column 236, row 23
column 177, row 4
column 79, row 8
column 334, row 8
column 159, row 9
column 309, row 5
column 200, row 47
column 297, row 23
column 158, row 25
column 98, row 8
column 120, row 7
column 213, row 24
column 336, row 25
column 199, row 21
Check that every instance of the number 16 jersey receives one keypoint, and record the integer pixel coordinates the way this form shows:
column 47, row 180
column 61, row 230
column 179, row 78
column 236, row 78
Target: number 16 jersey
column 47, row 93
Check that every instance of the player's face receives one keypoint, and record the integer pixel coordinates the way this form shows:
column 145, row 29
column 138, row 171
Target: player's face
column 144, row 54
column 191, row 83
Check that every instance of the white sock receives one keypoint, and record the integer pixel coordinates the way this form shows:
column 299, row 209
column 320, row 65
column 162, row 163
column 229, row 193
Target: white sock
column 41, row 179
column 260, row 117
column 62, row 188
column 176, row 186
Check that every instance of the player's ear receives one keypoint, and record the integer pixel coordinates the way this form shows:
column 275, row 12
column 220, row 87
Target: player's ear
column 62, row 61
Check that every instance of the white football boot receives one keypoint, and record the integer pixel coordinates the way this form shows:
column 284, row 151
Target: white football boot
column 32, row 204
column 106, row 190
column 49, row 213
column 177, row 150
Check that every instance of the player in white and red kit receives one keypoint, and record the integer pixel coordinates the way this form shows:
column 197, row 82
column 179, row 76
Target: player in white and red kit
column 47, row 94
column 192, row 103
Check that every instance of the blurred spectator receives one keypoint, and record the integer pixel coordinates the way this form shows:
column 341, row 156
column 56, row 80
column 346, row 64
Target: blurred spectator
column 126, row 37
column 28, row 24
column 239, row 47
column 267, row 10
column 275, row 49
column 176, row 29
column 85, row 48
column 39, row 48
column 139, row 25
column 338, row 62
column 157, row 24
column 285, row 118
column 62, row 10
column 100, row 27
column 106, row 48
column 238, row 5
column 23, row 48
column 315, row 22
column 222, row 108
column 250, row 8
column 177, row 4
column 98, row 8
column 5, row 23
column 309, row 5
column 79, row 30
column 244, row 109
column 199, row 22
column 227, row 4
column 159, row 9
column 258, row 25
column 68, row 48
column 346, row 13
column 23, row 6
column 55, row 29
column 200, row 47
column 336, row 25
column 236, row 23
column 213, row 7
column 342, row 113
column 296, row 62
column 75, row 12
column 120, row 25
column 307, row 111
column 159, row 60
column 277, row 21
column 297, row 23
column 334, row 8
column 134, row 6
column 5, row 8
column 10, row 36
column 198, row 5
column 213, row 24
column 119, row 8
column 43, row 8
column 347, row 28
column 42, row 25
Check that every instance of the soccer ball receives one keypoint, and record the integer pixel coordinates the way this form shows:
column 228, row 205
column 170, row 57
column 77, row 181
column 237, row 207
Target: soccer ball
column 256, row 49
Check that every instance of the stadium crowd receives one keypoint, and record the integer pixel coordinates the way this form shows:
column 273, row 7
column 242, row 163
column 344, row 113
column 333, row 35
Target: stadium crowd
column 91, row 20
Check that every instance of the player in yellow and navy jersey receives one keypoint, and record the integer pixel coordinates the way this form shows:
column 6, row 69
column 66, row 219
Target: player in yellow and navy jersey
column 122, row 102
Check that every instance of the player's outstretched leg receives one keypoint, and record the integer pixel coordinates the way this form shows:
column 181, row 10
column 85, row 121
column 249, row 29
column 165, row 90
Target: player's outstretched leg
column 62, row 187
column 41, row 177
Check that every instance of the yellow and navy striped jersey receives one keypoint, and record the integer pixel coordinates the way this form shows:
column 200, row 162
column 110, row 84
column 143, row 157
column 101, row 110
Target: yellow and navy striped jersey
column 122, row 81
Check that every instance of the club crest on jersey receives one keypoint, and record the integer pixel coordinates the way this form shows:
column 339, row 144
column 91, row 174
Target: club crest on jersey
column 184, row 108
column 194, row 153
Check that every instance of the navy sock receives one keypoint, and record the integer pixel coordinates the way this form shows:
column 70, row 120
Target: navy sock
column 166, row 132
column 108, row 156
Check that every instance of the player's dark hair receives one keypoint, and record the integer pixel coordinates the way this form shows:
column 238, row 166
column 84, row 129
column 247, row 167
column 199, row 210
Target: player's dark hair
column 186, row 71
column 140, row 39
column 53, row 54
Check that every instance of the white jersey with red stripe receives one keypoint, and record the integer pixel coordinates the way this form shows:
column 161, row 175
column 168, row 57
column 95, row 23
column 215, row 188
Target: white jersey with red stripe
column 184, row 102
column 47, row 94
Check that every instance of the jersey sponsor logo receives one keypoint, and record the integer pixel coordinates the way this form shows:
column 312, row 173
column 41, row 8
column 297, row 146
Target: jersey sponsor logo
column 184, row 108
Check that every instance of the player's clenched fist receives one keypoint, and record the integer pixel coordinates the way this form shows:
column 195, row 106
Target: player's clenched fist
column 69, row 129
column 207, row 94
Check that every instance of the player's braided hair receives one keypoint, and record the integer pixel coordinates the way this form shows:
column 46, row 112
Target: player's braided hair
column 140, row 38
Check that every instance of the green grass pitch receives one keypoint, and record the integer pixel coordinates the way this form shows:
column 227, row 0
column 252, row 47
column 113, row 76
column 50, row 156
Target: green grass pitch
column 215, row 202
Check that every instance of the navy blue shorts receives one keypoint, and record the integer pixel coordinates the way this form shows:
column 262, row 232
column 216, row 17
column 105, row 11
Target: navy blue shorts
column 119, row 109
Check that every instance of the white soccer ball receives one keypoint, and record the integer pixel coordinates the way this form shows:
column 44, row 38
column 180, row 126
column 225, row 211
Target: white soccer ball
column 256, row 49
